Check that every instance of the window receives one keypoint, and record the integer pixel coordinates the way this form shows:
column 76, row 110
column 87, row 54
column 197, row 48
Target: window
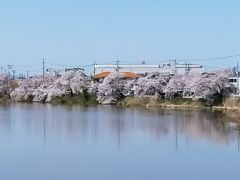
column 232, row 80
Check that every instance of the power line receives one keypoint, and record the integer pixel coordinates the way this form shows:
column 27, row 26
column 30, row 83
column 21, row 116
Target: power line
column 219, row 58
column 44, row 63
column 56, row 64
column 211, row 58
column 27, row 65
column 213, row 67
column 65, row 65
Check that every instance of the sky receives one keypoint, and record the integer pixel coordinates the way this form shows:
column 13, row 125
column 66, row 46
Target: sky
column 77, row 32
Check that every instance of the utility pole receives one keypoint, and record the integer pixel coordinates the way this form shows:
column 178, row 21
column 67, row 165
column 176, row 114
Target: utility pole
column 175, row 66
column 1, row 70
column 94, row 68
column 43, row 67
column 13, row 71
column 237, row 79
column 9, row 70
column 9, row 74
column 27, row 74
column 117, row 65
column 185, row 67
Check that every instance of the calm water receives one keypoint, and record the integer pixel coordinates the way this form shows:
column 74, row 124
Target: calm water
column 44, row 142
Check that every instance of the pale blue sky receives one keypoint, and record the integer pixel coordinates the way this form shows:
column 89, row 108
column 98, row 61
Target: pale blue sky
column 79, row 32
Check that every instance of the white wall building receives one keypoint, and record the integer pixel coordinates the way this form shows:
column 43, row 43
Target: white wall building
column 167, row 68
column 234, row 84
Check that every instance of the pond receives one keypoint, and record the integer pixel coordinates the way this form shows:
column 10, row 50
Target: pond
column 45, row 142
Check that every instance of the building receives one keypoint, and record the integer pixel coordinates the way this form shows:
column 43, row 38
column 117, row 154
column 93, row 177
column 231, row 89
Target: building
column 123, row 74
column 167, row 68
column 234, row 85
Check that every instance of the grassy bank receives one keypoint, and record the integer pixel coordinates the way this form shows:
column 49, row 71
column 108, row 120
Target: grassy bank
column 178, row 103
column 85, row 99
column 163, row 103
column 133, row 101
column 146, row 101
column 5, row 98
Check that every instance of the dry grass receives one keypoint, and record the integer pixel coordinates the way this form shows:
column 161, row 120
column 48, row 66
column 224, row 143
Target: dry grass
column 232, row 102
column 165, row 103
column 177, row 104
column 136, row 101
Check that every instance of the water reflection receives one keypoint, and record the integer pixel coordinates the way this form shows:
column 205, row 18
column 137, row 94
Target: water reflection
column 114, row 123
column 107, row 142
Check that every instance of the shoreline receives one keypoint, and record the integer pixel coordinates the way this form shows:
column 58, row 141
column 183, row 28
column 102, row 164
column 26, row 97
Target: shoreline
column 178, row 103
column 146, row 102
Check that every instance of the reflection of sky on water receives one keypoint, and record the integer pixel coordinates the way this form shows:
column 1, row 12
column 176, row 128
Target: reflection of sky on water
column 113, row 123
column 107, row 142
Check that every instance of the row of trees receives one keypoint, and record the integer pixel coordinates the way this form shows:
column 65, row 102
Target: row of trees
column 207, row 86
column 109, row 90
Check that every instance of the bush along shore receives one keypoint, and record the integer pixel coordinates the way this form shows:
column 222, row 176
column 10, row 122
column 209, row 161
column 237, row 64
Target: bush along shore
column 192, row 90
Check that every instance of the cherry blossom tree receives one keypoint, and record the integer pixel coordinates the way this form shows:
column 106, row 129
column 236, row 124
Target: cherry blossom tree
column 28, row 88
column 110, row 89
column 71, row 82
column 151, row 84
column 175, row 86
column 198, row 85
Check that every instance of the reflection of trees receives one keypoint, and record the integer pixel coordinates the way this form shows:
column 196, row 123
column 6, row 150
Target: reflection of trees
column 200, row 125
column 5, row 119
column 197, row 125
column 114, row 123
column 161, row 123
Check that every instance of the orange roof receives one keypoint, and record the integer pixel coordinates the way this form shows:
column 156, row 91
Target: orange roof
column 129, row 75
column 101, row 75
column 124, row 75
